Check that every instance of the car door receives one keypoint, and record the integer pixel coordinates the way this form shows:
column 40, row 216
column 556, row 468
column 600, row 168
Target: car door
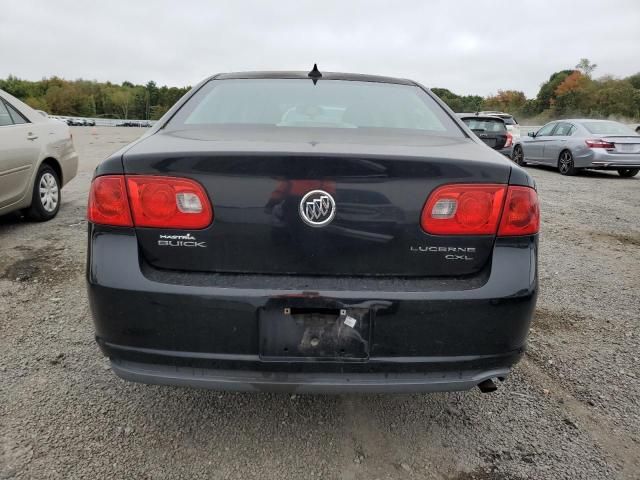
column 19, row 152
column 553, row 147
column 535, row 147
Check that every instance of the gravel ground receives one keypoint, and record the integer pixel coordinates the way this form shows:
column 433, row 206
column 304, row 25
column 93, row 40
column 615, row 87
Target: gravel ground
column 570, row 410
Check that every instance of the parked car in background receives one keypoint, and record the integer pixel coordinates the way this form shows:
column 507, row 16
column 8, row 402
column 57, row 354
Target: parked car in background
column 75, row 122
column 320, row 232
column 37, row 158
column 575, row 144
column 133, row 123
column 491, row 130
column 510, row 121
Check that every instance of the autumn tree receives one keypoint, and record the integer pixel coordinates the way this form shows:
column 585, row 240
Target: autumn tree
column 572, row 95
column 505, row 101
column 546, row 95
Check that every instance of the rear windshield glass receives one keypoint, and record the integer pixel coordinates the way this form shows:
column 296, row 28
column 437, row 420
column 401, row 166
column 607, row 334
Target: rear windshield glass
column 608, row 128
column 485, row 124
column 292, row 103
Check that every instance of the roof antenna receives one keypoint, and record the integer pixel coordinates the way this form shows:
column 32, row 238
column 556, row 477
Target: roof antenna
column 315, row 74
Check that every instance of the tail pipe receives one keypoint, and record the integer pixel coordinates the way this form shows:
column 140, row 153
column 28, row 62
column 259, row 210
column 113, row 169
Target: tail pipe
column 487, row 386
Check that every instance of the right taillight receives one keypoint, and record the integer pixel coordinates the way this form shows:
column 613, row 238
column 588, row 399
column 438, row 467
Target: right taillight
column 509, row 141
column 521, row 212
column 481, row 209
column 149, row 201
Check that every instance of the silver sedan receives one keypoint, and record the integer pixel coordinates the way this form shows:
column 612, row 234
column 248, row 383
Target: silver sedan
column 575, row 144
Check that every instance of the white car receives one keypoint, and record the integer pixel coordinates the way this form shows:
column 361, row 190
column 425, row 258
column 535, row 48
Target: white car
column 37, row 158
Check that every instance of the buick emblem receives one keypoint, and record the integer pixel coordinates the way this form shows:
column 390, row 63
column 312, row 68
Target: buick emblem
column 317, row 208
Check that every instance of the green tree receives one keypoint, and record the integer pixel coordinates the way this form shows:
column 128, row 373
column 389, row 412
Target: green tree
column 121, row 100
column 616, row 98
column 38, row 103
column 634, row 80
column 586, row 67
column 457, row 103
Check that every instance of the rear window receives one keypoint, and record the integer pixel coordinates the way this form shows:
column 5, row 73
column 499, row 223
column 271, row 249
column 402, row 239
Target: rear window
column 5, row 118
column 485, row 125
column 607, row 128
column 16, row 116
column 295, row 103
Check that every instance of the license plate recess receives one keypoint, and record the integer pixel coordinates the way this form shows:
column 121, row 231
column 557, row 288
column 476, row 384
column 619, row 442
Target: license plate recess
column 314, row 334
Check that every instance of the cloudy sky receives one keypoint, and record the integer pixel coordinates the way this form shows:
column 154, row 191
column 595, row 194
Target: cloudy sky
column 466, row 46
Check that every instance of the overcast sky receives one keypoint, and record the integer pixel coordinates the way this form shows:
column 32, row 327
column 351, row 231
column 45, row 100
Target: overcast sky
column 469, row 47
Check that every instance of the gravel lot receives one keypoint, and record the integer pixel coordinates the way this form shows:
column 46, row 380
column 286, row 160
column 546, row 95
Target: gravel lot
column 570, row 410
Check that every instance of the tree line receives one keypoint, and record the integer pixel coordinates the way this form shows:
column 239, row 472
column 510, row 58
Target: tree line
column 567, row 93
column 85, row 98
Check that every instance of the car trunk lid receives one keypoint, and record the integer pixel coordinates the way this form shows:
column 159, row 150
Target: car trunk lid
column 379, row 184
column 624, row 144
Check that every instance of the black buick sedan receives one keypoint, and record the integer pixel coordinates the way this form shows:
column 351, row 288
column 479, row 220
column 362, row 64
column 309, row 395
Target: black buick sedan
column 312, row 232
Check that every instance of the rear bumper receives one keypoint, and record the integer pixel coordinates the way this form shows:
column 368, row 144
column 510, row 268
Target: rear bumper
column 508, row 151
column 257, row 381
column 69, row 161
column 614, row 165
column 601, row 159
column 202, row 330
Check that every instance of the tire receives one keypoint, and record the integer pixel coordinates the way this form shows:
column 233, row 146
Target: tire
column 565, row 163
column 628, row 172
column 518, row 156
column 46, row 198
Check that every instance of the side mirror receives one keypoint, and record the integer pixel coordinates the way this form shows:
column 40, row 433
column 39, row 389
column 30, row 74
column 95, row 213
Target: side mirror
column 532, row 134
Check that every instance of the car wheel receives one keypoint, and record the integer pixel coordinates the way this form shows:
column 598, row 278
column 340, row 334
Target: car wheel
column 46, row 198
column 628, row 172
column 518, row 155
column 565, row 163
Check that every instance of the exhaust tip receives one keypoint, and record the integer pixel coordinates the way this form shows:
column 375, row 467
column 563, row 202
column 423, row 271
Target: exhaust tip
column 487, row 386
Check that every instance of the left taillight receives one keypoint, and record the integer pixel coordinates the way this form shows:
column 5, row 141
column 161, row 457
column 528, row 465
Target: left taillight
column 150, row 201
column 597, row 143
column 108, row 202
column 168, row 202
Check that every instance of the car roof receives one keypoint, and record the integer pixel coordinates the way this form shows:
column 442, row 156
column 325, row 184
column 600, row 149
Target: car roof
column 305, row 75
column 585, row 120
